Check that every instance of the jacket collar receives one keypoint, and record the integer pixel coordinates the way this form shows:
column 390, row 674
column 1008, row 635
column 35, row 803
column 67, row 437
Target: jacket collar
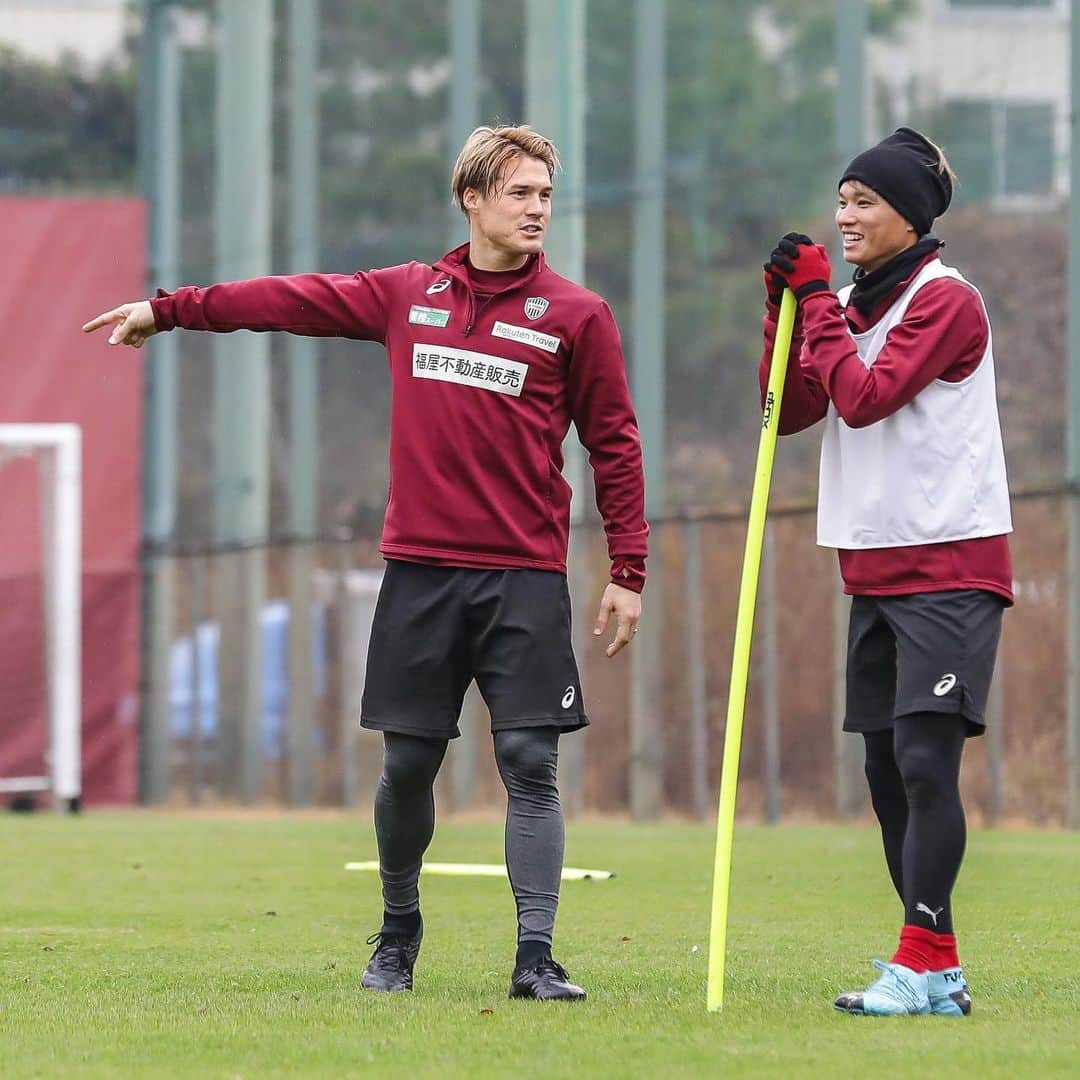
column 453, row 263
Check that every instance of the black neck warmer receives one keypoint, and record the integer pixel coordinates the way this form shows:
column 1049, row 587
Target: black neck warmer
column 871, row 288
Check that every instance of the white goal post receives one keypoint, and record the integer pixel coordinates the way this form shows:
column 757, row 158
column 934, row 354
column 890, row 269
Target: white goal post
column 59, row 447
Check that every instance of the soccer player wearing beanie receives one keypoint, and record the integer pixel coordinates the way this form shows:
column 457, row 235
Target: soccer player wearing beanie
column 914, row 497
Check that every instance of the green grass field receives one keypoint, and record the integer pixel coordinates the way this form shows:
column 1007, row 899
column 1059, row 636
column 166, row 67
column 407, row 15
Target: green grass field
column 149, row 945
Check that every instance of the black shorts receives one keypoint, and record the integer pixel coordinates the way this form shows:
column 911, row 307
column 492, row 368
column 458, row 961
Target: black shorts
column 437, row 628
column 926, row 652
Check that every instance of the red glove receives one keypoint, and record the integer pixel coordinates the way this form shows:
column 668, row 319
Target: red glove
column 774, row 287
column 801, row 264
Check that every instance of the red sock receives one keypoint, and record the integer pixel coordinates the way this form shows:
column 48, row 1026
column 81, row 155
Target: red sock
column 947, row 956
column 917, row 949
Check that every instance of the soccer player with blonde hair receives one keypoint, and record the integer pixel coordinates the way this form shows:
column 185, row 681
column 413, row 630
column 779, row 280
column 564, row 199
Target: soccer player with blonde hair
column 492, row 356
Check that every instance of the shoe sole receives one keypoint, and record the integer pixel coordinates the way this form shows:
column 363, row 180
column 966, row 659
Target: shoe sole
column 877, row 1016
column 518, row 996
column 960, row 1010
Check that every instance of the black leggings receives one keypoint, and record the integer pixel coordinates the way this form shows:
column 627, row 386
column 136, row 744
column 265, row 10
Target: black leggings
column 913, row 770
column 405, row 821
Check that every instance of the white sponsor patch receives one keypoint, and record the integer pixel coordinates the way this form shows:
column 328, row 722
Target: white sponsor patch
column 469, row 369
column 428, row 316
column 526, row 336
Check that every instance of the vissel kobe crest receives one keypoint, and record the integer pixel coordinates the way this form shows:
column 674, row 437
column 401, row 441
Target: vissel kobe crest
column 535, row 306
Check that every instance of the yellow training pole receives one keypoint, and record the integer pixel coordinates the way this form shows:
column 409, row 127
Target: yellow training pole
column 740, row 664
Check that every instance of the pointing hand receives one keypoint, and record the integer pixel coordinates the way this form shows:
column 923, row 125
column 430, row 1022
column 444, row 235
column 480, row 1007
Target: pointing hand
column 134, row 323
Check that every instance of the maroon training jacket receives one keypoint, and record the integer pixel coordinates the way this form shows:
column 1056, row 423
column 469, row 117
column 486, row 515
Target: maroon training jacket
column 484, row 391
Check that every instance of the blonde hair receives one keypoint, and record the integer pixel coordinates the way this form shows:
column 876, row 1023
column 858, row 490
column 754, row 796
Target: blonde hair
column 487, row 151
column 943, row 165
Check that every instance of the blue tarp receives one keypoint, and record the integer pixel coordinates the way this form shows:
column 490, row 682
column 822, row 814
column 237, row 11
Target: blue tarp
column 274, row 681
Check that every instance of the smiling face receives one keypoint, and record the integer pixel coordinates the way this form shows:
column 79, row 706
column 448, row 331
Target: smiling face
column 508, row 224
column 872, row 231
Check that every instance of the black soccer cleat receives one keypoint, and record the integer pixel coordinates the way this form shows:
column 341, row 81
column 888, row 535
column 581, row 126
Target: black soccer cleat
column 544, row 980
column 390, row 969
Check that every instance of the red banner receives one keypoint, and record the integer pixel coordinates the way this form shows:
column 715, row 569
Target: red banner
column 65, row 260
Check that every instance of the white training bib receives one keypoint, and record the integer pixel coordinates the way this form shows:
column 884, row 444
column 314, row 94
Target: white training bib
column 932, row 472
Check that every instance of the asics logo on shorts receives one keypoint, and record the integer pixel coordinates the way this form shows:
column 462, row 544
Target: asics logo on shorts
column 568, row 698
column 944, row 685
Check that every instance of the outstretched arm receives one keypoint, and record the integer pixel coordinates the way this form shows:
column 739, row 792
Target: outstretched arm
column 315, row 305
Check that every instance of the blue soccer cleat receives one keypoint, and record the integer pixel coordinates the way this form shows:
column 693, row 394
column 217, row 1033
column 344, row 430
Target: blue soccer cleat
column 949, row 993
column 898, row 991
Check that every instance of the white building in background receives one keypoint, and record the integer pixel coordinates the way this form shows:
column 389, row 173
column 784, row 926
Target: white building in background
column 92, row 30
column 994, row 76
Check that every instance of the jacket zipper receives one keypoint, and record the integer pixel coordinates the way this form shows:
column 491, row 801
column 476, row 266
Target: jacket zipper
column 470, row 321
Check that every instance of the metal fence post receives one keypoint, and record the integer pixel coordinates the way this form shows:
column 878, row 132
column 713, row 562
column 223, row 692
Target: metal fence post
column 770, row 669
column 695, row 656
column 995, row 749
column 847, row 751
column 1072, row 438
column 303, row 144
column 159, row 150
column 197, row 586
column 241, row 373
column 1072, row 590
column 466, row 750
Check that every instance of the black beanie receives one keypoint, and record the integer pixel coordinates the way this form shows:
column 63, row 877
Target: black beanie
column 903, row 170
